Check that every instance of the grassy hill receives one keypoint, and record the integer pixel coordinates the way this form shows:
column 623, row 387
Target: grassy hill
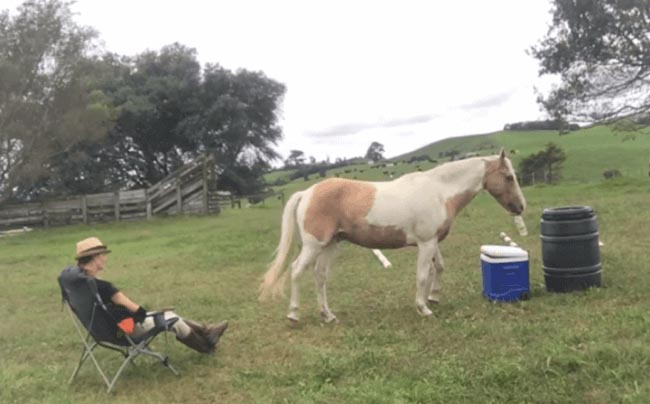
column 589, row 151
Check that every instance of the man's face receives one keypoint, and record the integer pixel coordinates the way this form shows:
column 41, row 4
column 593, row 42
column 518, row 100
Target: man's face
column 101, row 261
column 97, row 264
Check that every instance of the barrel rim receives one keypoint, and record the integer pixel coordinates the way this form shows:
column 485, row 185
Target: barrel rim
column 568, row 212
column 571, row 271
column 569, row 237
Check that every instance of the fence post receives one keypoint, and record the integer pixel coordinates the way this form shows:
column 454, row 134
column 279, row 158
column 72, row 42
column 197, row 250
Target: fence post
column 116, row 201
column 147, row 203
column 179, row 196
column 205, row 188
column 84, row 208
column 46, row 217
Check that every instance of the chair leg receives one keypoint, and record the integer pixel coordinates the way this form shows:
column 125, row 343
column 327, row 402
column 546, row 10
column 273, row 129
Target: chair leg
column 99, row 369
column 168, row 365
column 143, row 348
column 82, row 359
column 87, row 351
column 119, row 372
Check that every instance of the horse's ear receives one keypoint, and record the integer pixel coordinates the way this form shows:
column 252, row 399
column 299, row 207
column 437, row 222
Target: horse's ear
column 502, row 157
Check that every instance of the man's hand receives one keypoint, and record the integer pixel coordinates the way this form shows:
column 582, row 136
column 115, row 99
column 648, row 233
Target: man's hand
column 140, row 314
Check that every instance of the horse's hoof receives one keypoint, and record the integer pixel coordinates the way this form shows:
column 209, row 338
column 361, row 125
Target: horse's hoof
column 432, row 300
column 424, row 311
column 293, row 318
column 328, row 317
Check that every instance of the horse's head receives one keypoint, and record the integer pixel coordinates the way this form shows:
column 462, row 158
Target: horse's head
column 501, row 182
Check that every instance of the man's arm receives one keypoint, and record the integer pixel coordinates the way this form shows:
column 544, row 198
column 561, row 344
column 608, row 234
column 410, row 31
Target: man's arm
column 121, row 299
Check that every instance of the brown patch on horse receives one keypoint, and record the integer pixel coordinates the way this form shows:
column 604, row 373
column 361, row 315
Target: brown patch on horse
column 443, row 230
column 453, row 206
column 502, row 185
column 458, row 202
column 371, row 236
column 494, row 179
column 339, row 207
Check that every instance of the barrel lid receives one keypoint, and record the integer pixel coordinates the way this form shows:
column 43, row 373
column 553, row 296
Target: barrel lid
column 502, row 251
column 568, row 213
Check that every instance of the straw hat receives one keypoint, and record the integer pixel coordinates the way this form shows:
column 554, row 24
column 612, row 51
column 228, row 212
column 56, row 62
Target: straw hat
column 90, row 246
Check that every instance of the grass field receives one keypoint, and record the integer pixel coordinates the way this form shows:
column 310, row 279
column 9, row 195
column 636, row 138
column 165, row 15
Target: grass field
column 589, row 152
column 583, row 347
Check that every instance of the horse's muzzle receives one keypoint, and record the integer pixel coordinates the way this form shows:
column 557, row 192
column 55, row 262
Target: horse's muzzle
column 516, row 208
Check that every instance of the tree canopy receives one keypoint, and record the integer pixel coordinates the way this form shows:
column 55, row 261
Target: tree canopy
column 48, row 104
column 601, row 51
column 296, row 159
column 75, row 120
column 375, row 152
column 543, row 166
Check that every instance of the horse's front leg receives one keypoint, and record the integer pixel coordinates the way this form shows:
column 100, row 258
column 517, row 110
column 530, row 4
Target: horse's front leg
column 426, row 251
column 321, row 271
column 438, row 266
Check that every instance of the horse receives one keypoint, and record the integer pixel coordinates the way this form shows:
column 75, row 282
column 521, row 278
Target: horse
column 416, row 209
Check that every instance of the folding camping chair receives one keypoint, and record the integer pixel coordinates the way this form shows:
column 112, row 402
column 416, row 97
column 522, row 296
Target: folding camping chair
column 89, row 313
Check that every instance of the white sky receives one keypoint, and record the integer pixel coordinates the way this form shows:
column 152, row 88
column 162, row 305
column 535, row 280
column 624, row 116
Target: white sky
column 403, row 73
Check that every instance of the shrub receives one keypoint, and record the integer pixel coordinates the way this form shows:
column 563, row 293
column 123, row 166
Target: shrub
column 611, row 174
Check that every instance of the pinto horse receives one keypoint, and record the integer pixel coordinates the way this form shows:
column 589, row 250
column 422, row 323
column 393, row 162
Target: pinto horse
column 416, row 209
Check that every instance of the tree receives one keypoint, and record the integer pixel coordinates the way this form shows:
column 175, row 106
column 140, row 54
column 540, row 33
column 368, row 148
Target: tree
column 554, row 156
column 171, row 112
column 543, row 166
column 238, row 122
column 155, row 92
column 296, row 159
column 601, row 50
column 47, row 102
column 375, row 152
column 58, row 100
column 452, row 154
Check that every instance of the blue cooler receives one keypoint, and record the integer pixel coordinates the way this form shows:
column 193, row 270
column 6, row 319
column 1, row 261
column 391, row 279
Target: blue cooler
column 505, row 273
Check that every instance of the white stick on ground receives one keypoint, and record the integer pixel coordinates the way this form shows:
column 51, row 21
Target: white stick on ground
column 508, row 240
column 384, row 261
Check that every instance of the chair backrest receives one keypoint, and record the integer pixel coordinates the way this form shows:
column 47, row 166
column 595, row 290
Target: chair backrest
column 80, row 292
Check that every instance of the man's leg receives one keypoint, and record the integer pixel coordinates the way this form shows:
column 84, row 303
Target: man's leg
column 184, row 332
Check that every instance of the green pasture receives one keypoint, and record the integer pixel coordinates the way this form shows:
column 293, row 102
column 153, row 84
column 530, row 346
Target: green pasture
column 583, row 347
column 589, row 153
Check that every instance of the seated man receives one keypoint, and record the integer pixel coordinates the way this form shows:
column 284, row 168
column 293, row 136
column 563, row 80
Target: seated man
column 91, row 258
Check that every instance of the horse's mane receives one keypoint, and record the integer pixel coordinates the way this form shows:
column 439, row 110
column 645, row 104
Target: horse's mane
column 451, row 169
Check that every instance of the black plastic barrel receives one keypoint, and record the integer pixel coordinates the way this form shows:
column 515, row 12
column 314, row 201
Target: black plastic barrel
column 570, row 251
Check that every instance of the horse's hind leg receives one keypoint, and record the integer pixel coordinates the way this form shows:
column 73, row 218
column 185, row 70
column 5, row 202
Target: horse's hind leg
column 321, row 270
column 438, row 266
column 306, row 257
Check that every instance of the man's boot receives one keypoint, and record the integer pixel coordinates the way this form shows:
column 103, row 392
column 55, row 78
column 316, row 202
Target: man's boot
column 214, row 332
column 196, row 326
column 197, row 342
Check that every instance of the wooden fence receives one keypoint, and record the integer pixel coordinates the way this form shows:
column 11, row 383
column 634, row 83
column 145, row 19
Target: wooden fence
column 188, row 190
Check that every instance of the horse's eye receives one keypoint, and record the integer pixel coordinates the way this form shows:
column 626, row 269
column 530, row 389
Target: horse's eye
column 510, row 178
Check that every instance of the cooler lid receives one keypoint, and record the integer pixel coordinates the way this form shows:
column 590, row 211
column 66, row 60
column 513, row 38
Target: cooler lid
column 502, row 251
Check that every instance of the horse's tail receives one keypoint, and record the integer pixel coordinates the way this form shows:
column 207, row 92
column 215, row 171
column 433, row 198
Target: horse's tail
column 275, row 277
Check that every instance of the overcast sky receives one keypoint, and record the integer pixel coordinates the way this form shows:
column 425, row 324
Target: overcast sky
column 403, row 73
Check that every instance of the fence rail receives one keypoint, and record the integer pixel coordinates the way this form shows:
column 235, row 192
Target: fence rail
column 188, row 190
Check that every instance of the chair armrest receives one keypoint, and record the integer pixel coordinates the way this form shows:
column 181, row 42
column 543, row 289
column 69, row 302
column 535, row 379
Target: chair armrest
column 159, row 311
